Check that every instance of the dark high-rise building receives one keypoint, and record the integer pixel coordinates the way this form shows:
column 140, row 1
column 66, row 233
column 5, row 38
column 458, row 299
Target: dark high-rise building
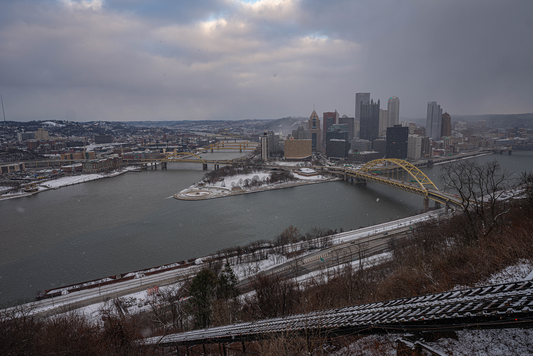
column 397, row 138
column 328, row 119
column 348, row 121
column 446, row 125
column 337, row 144
column 425, row 150
column 369, row 129
column 337, row 148
column 360, row 98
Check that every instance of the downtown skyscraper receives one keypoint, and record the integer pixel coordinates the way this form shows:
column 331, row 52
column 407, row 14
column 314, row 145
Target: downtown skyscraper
column 434, row 121
column 369, row 121
column 393, row 109
column 360, row 98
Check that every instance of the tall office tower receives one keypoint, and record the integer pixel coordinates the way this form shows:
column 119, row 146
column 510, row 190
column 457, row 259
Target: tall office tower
column 383, row 122
column 328, row 119
column 264, row 147
column 414, row 147
column 426, row 150
column 349, row 121
column 316, row 132
column 446, row 129
column 360, row 98
column 369, row 120
column 397, row 138
column 393, row 107
column 269, row 144
column 434, row 121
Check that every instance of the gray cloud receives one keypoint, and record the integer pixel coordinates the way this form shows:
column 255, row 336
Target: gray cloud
column 167, row 60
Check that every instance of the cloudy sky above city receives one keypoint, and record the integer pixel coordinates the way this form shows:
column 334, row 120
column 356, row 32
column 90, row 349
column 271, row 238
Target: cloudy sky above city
column 117, row 60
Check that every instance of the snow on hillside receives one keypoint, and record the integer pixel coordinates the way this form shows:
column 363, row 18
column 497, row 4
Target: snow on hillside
column 497, row 342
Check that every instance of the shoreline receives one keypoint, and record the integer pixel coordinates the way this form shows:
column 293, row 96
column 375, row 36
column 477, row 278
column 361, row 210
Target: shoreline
column 208, row 192
column 159, row 273
column 204, row 193
column 69, row 180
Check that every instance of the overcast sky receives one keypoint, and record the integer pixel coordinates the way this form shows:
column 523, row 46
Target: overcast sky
column 117, row 60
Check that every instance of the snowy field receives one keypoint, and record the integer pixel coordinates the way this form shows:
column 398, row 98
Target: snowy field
column 236, row 185
column 66, row 181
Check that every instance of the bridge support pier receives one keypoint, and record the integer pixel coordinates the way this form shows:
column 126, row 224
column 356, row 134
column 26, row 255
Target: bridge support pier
column 426, row 205
column 437, row 205
column 163, row 165
column 204, row 166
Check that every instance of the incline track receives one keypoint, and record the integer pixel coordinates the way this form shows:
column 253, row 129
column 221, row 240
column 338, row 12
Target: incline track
column 497, row 306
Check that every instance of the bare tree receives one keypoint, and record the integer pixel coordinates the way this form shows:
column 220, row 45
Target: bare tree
column 481, row 187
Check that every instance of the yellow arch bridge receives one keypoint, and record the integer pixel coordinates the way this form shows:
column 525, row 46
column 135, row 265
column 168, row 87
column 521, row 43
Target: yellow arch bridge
column 402, row 175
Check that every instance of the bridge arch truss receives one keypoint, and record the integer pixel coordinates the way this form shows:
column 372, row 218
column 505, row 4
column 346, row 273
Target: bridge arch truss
column 393, row 172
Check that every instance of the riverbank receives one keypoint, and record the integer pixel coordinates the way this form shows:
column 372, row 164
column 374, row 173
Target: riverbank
column 235, row 185
column 42, row 186
column 136, row 284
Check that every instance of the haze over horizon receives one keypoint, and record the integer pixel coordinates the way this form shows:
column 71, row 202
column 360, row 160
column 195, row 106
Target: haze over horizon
column 128, row 60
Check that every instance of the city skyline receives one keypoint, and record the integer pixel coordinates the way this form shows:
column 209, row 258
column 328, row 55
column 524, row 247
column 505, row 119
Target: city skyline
column 231, row 60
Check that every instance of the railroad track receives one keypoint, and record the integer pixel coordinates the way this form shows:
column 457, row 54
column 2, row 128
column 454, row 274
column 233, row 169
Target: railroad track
column 496, row 306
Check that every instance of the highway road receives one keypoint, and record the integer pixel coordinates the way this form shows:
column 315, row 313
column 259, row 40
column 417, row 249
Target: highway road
column 359, row 247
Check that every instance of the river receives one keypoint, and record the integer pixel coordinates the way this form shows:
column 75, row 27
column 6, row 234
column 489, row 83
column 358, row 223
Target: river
column 130, row 222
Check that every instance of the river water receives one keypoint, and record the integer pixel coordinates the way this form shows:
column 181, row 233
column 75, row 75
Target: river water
column 131, row 222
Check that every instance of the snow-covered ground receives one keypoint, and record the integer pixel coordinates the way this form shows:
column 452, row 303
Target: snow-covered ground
column 68, row 180
column 498, row 342
column 236, row 185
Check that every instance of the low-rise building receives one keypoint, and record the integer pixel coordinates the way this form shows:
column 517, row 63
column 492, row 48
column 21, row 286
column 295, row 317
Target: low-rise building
column 12, row 167
column 102, row 165
column 298, row 149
